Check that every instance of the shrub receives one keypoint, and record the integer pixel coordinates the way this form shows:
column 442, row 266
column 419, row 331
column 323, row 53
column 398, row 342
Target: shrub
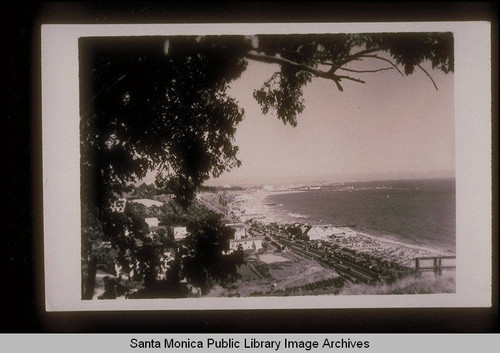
column 415, row 284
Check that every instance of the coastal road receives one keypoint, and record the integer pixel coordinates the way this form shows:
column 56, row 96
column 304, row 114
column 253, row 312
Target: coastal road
column 343, row 266
column 349, row 269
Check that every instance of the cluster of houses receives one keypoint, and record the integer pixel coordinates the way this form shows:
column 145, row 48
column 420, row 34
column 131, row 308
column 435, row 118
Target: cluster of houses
column 154, row 230
column 179, row 232
column 241, row 240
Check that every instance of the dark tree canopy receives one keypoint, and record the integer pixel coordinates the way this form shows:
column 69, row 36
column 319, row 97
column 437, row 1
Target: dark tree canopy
column 143, row 109
column 204, row 259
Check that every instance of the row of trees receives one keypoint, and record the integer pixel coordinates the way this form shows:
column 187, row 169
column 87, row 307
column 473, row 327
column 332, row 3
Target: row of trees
column 162, row 103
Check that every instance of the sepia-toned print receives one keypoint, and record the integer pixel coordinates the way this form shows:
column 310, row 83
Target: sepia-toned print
column 267, row 165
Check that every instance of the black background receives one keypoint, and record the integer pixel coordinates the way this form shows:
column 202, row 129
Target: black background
column 21, row 237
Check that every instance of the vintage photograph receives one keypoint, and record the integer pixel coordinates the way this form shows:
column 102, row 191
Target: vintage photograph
column 267, row 165
column 249, row 172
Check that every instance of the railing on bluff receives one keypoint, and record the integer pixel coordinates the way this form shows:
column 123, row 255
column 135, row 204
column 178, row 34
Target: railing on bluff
column 435, row 263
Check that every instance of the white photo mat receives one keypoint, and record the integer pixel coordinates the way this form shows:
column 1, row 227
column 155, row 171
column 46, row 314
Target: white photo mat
column 61, row 174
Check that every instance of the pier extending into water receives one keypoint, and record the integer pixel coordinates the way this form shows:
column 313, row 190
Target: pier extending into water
column 435, row 263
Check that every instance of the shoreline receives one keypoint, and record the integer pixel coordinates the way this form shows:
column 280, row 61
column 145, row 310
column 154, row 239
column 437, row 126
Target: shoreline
column 253, row 203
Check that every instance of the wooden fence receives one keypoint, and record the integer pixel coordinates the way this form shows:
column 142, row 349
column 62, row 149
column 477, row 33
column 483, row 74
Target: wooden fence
column 435, row 263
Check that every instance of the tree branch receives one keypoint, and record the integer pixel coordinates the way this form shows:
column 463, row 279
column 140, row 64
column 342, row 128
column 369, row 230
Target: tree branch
column 330, row 75
column 364, row 71
column 386, row 60
column 283, row 61
column 356, row 55
column 273, row 76
column 430, row 77
column 351, row 78
column 339, row 87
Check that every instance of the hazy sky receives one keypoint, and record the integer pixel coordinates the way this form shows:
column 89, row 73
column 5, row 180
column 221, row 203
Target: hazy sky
column 391, row 126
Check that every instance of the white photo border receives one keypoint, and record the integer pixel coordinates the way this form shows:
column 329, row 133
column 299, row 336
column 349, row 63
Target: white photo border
column 61, row 174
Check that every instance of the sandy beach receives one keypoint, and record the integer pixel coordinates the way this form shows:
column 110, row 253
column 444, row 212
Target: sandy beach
column 252, row 205
column 288, row 265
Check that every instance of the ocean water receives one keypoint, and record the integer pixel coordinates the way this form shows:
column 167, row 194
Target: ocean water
column 415, row 212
